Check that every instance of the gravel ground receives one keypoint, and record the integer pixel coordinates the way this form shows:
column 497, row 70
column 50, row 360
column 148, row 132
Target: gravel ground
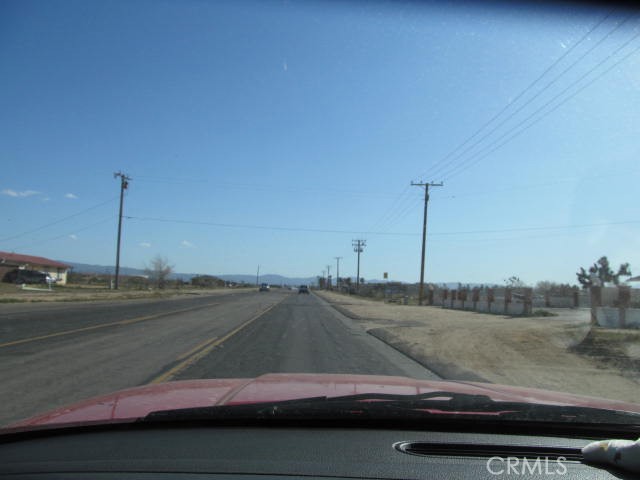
column 552, row 353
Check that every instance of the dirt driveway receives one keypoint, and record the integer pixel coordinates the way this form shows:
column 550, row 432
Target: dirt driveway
column 553, row 353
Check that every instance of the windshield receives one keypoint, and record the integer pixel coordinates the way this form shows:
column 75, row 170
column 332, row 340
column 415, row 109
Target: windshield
column 454, row 182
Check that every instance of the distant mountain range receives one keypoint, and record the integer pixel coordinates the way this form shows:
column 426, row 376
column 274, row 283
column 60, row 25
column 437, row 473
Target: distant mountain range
column 267, row 278
column 271, row 279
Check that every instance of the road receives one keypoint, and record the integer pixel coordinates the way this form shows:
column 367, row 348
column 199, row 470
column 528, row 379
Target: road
column 55, row 353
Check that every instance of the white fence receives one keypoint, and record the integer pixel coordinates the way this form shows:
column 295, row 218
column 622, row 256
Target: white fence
column 611, row 317
column 612, row 307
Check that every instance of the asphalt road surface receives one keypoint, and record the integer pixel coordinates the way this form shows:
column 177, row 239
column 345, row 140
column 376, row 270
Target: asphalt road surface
column 56, row 353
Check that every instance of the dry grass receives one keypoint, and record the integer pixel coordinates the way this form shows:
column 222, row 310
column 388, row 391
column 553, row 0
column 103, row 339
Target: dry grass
column 80, row 293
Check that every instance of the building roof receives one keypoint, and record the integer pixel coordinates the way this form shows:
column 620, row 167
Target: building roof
column 17, row 258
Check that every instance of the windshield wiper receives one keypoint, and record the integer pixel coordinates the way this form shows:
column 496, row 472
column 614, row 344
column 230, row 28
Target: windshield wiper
column 400, row 407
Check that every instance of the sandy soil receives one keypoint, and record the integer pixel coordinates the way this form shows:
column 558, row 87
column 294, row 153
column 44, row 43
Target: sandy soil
column 554, row 353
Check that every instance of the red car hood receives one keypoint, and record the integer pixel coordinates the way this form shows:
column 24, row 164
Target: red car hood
column 134, row 403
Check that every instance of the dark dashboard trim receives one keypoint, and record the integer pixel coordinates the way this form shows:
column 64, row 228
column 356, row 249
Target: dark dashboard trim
column 502, row 427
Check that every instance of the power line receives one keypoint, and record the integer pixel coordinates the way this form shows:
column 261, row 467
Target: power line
column 468, row 232
column 393, row 221
column 510, row 238
column 402, row 205
column 169, row 179
column 388, row 214
column 351, row 232
column 264, row 187
column 55, row 222
column 520, row 95
column 444, row 168
column 549, row 227
column 547, row 184
column 474, row 159
column 41, row 241
column 408, row 207
column 260, row 227
column 383, row 223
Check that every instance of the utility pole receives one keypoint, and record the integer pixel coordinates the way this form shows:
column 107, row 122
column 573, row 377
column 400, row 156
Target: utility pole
column 426, row 186
column 358, row 247
column 338, row 271
column 328, row 277
column 258, row 277
column 124, row 184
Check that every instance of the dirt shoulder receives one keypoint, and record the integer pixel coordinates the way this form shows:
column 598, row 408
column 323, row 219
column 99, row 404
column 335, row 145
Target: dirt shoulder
column 554, row 353
column 13, row 294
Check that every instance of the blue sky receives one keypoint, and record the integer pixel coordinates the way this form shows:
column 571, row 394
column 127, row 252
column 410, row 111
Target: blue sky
column 309, row 120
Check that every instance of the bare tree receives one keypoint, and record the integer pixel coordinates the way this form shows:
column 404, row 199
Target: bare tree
column 514, row 282
column 159, row 270
column 554, row 288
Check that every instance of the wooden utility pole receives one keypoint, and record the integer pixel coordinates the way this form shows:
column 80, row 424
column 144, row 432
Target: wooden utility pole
column 338, row 272
column 124, row 184
column 424, row 232
column 358, row 247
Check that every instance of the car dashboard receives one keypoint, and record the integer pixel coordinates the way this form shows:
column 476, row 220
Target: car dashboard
column 264, row 453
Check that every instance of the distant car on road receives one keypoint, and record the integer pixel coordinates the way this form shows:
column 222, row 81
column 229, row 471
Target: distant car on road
column 265, row 287
column 303, row 289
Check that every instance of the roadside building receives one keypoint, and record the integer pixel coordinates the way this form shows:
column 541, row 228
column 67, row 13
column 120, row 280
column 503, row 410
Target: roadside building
column 12, row 261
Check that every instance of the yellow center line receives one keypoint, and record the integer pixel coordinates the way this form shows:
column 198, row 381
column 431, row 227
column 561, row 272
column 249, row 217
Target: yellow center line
column 103, row 325
column 196, row 348
column 207, row 346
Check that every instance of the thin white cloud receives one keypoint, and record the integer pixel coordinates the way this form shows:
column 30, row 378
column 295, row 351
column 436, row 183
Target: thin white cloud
column 71, row 196
column 23, row 193
column 144, row 244
column 285, row 67
column 73, row 236
column 46, row 199
column 187, row 244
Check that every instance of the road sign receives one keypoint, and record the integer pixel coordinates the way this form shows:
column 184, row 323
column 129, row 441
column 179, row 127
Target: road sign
column 386, row 274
